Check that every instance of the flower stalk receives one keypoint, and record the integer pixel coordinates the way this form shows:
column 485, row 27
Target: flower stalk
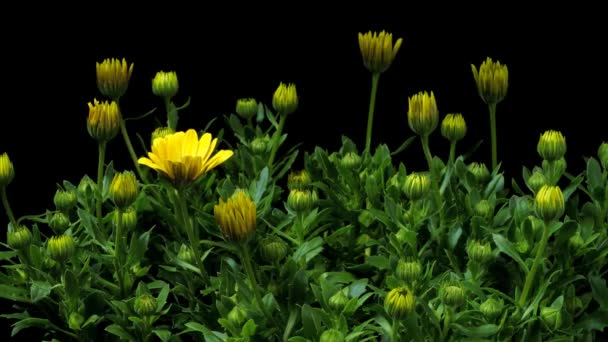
column 372, row 106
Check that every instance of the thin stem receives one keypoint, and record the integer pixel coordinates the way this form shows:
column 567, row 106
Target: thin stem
column 395, row 334
column 435, row 179
column 492, row 108
column 7, row 207
column 125, row 135
column 100, row 171
column 277, row 139
column 370, row 114
column 192, row 236
column 246, row 261
column 446, row 323
column 118, row 253
column 452, row 153
column 537, row 261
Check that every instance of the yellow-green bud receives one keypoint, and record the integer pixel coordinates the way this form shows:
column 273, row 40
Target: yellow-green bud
column 65, row 200
column 61, row 247
column 576, row 241
column 145, row 305
column 409, row 270
column 536, row 181
column 332, row 335
column 246, row 108
column 186, row 254
column 86, row 187
column 362, row 240
column 19, row 238
column 550, row 203
column 161, row 132
column 113, row 77
column 480, row 252
column 299, row 180
column 103, row 122
column 551, row 317
column 416, row 185
column 236, row 216
column 602, row 154
column 75, row 321
column 59, row 222
column 259, row 145
column 452, row 293
column 351, row 160
column 399, row 302
column 302, row 200
column 423, row 115
column 338, row 301
column 124, row 189
column 551, row 145
column 128, row 218
column 165, row 84
column 378, row 51
column 480, row 172
column 273, row 249
column 237, row 315
column 484, row 209
column 491, row 308
column 7, row 171
column 285, row 99
column 453, row 127
column 492, row 81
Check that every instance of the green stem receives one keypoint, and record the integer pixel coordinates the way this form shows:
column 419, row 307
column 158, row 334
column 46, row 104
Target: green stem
column 452, row 153
column 492, row 108
column 7, row 207
column 537, row 262
column 434, row 177
column 125, row 135
column 100, row 172
column 446, row 323
column 395, row 334
column 118, row 253
column 277, row 139
column 372, row 106
column 192, row 236
column 246, row 261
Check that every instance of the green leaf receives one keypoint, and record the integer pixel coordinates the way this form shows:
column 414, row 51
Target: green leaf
column 40, row 290
column 117, row 330
column 70, row 284
column 594, row 174
column 453, row 237
column 403, row 146
column 248, row 329
column 138, row 248
column 378, row 261
column 571, row 188
column 6, row 255
column 91, row 320
column 210, row 336
column 481, row 331
column 29, row 322
column 163, row 334
column 260, row 185
column 161, row 300
column 310, row 321
column 14, row 293
column 298, row 339
column 506, row 247
column 598, row 320
column 600, row 291
column 308, row 250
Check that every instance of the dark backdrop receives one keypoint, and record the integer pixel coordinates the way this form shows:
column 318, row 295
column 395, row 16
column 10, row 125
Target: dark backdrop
column 555, row 59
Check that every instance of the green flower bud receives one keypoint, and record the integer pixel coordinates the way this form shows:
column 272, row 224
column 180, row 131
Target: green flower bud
column 75, row 321
column 536, row 181
column 285, row 99
column 302, row 200
column 124, row 189
column 338, row 301
column 61, row 247
column 551, row 145
column 480, row 252
column 423, row 115
column 237, row 315
column 402, row 234
column 145, row 305
column 602, row 154
column 65, row 200
column 484, row 209
column 246, row 108
column 59, row 222
column 399, row 302
column 87, row 187
column 453, row 127
column 452, row 293
column 165, row 84
column 259, row 145
column 491, row 308
column 416, row 185
column 273, row 249
column 551, row 317
column 7, row 171
column 480, row 172
column 408, row 270
column 332, row 335
column 351, row 160
column 299, row 180
column 550, row 203
column 19, row 238
column 362, row 240
column 128, row 219
column 576, row 242
column 161, row 132
column 492, row 81
column 186, row 254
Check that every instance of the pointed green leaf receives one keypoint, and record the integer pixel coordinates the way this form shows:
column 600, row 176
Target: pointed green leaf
column 117, row 330
column 506, row 247
column 40, row 290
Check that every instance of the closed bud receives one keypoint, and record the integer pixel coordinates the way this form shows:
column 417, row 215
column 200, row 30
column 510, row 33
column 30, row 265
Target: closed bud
column 551, row 145
column 246, row 108
column 7, row 171
column 484, row 209
column 19, row 238
column 145, row 305
column 602, row 154
column 273, row 249
column 302, row 200
column 332, row 335
column 124, row 189
column 536, row 181
column 362, row 240
column 552, row 317
column 492, row 81
column 416, row 185
column 161, row 132
column 165, row 84
column 236, row 216
column 103, row 122
column 87, row 187
column 338, row 301
column 285, row 99
column 399, row 302
column 237, row 315
column 453, row 127
column 59, row 222
column 452, row 294
column 259, row 145
column 491, row 308
column 65, row 200
column 408, row 270
column 128, row 218
column 550, row 203
column 299, row 180
column 351, row 160
column 113, row 77
column 480, row 172
column 480, row 252
column 61, row 247
column 75, row 321
column 186, row 254
column 378, row 51
column 423, row 115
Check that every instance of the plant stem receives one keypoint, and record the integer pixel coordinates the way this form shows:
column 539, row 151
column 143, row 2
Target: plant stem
column 492, row 108
column 100, row 172
column 537, row 261
column 452, row 153
column 125, row 135
column 395, row 330
column 118, row 253
column 446, row 323
column 277, row 139
column 246, row 260
column 434, row 177
column 180, row 200
column 372, row 106
column 7, row 207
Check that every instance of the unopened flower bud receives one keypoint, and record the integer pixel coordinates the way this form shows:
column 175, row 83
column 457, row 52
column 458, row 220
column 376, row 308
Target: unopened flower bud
column 351, row 160
column 237, row 315
column 61, row 247
column 338, row 301
column 452, row 293
column 536, row 181
column 161, row 132
column 165, row 84
column 59, row 222
column 113, row 77
column 127, row 219
column 19, row 238
column 550, row 203
column 552, row 317
column 236, row 216
column 285, row 99
column 491, row 308
column 492, row 80
column 103, row 122
column 299, row 180
column 551, row 145
column 259, row 145
column 124, row 189
column 480, row 252
column 7, row 171
column 484, row 209
column 302, row 200
column 408, row 270
column 453, row 127
column 416, row 185
column 423, row 115
column 332, row 335
column 186, row 254
column 377, row 50
column 480, row 172
column 145, row 305
column 75, row 321
column 399, row 302
column 273, row 249
column 246, row 108
column 87, row 187
column 65, row 200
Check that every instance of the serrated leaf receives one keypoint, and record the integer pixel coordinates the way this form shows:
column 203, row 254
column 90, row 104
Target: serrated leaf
column 507, row 248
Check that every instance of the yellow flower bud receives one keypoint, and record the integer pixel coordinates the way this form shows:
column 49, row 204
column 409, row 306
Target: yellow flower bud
column 377, row 50
column 492, row 81
column 124, row 189
column 536, row 181
column 399, row 302
column 452, row 293
column 59, row 222
column 246, row 108
column 145, row 305
column 113, row 77
column 332, row 335
column 453, row 127
column 165, row 84
column 416, row 185
column 480, row 172
column 19, row 238
column 7, row 172
column 161, row 132
column 65, row 200
column 236, row 216
column 408, row 270
column 480, row 251
column 285, row 99
column 104, row 120
column 551, row 145
column 128, row 218
column 550, row 203
column 61, row 247
column 423, row 115
column 491, row 308
column 302, row 200
column 299, row 180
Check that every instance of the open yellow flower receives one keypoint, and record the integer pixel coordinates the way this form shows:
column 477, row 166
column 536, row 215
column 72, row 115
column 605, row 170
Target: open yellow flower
column 183, row 157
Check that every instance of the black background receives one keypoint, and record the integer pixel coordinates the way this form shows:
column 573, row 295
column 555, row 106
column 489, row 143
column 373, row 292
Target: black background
column 555, row 56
